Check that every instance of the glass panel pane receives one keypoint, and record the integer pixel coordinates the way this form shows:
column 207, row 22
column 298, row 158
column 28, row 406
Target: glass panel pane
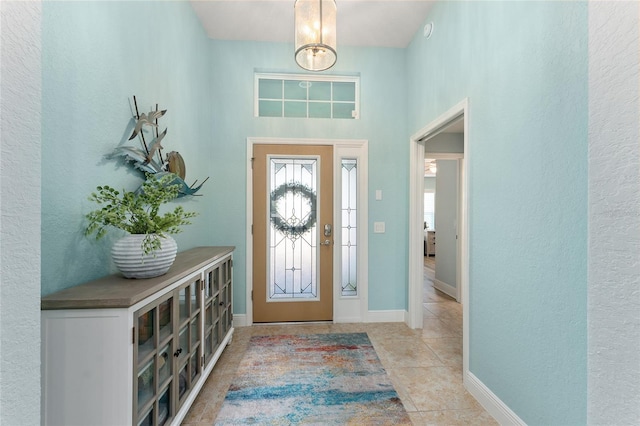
column 164, row 407
column 293, row 231
column 207, row 285
column 184, row 308
column 294, row 89
column 183, row 342
column 349, row 228
column 208, row 316
column 269, row 89
column 224, row 322
column 195, row 331
column 320, row 91
column 208, row 345
column 216, row 307
column 182, row 384
column 343, row 110
column 295, row 109
column 216, row 337
column 146, row 342
column 319, row 110
column 270, row 108
column 193, row 293
column 164, row 319
column 194, row 366
column 146, row 384
column 164, row 364
column 147, row 420
column 216, row 280
column 344, row 91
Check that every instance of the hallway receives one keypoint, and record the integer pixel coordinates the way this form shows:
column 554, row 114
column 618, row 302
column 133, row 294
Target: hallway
column 424, row 365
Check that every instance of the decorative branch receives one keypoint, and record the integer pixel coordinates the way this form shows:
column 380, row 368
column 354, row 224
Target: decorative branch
column 157, row 129
column 135, row 102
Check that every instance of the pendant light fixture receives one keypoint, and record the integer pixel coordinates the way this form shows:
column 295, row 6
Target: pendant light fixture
column 315, row 34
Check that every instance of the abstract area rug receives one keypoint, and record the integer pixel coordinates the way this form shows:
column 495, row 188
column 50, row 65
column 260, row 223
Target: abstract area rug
column 324, row 379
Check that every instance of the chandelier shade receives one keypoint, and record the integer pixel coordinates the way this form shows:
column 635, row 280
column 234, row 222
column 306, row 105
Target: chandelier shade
column 315, row 34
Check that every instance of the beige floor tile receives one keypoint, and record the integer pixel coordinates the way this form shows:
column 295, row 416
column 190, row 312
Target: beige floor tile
column 456, row 417
column 416, row 417
column 448, row 349
column 407, row 352
column 427, row 313
column 381, row 331
column 434, row 327
column 447, row 309
column 435, row 296
column 435, row 388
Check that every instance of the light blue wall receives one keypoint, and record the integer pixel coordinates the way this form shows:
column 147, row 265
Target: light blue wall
column 382, row 123
column 523, row 66
column 446, row 222
column 95, row 57
column 430, row 184
column 445, row 143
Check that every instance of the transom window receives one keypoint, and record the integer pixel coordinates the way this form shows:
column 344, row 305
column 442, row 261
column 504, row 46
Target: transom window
column 305, row 96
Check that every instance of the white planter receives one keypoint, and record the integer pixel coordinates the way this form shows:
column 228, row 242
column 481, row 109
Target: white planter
column 128, row 256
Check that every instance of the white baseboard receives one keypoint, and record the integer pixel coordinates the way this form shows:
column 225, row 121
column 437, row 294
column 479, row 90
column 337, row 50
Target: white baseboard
column 343, row 320
column 494, row 405
column 386, row 316
column 239, row 320
column 445, row 288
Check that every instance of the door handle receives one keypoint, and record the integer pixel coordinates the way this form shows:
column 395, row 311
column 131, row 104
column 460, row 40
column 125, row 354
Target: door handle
column 325, row 243
column 327, row 230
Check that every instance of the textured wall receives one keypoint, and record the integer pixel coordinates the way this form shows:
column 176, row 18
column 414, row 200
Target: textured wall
column 614, row 214
column 95, row 57
column 523, row 66
column 20, row 213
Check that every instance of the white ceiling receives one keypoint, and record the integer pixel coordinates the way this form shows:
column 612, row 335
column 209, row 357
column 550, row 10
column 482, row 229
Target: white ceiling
column 391, row 23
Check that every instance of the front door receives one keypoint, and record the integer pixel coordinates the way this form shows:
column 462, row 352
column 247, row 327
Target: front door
column 292, row 233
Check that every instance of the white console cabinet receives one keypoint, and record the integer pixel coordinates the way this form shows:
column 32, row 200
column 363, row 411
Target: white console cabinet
column 117, row 351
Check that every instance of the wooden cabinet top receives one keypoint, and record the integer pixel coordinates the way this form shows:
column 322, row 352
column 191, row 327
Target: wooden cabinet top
column 115, row 291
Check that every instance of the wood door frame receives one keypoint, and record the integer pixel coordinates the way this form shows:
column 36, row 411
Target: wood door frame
column 345, row 309
column 416, row 218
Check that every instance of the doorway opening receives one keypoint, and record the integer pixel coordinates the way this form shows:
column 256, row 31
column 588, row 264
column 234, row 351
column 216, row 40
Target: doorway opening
column 457, row 116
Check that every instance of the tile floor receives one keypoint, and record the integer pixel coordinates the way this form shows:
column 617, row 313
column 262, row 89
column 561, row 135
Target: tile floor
column 424, row 365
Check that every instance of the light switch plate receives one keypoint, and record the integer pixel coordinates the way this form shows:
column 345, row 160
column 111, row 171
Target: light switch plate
column 378, row 194
column 378, row 227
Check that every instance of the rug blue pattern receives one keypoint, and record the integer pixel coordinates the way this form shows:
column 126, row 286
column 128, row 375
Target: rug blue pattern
column 324, row 379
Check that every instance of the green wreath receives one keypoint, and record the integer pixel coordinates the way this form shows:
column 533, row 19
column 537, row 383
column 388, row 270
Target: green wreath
column 278, row 221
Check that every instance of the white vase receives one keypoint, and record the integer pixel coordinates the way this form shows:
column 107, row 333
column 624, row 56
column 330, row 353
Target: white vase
column 128, row 256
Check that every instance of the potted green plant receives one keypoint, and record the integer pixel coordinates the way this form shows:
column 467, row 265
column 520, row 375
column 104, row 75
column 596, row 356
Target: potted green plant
column 148, row 250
